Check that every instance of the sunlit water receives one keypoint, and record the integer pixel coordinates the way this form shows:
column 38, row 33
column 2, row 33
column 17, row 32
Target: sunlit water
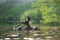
column 38, row 37
column 24, row 39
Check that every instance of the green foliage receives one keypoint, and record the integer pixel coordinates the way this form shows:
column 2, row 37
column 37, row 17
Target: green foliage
column 47, row 10
column 12, row 12
column 31, row 13
column 41, row 11
column 57, row 2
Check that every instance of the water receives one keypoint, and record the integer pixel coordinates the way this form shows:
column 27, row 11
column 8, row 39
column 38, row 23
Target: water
column 28, row 38
column 14, row 35
column 38, row 39
column 48, row 37
column 16, row 38
column 1, row 39
column 32, row 39
column 24, row 39
column 6, row 38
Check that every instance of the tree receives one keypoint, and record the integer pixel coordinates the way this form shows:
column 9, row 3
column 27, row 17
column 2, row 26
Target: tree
column 47, row 10
column 57, row 2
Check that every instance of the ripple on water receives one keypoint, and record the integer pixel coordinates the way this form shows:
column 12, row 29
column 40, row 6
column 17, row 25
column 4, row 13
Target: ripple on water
column 14, row 35
column 33, row 39
column 24, row 39
column 16, row 38
column 28, row 38
column 1, row 39
column 6, row 38
column 38, row 39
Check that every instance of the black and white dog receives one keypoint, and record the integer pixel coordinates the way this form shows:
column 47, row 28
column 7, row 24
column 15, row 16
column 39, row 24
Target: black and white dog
column 20, row 28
